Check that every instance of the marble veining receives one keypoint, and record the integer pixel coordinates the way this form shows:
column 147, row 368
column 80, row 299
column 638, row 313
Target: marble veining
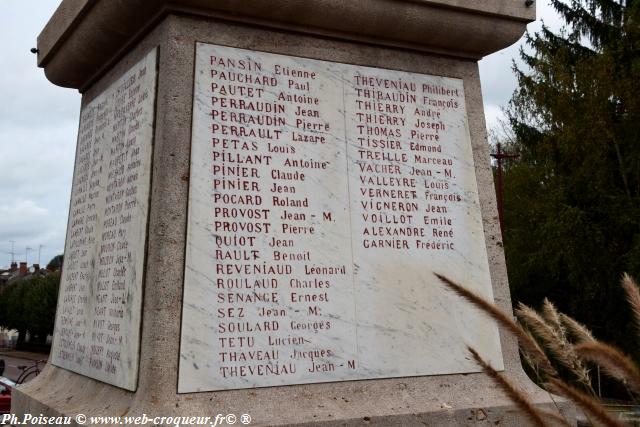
column 97, row 331
column 323, row 197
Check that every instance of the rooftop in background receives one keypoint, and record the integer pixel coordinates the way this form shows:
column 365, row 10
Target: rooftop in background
column 20, row 270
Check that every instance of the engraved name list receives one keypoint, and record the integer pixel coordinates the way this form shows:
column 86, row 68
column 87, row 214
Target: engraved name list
column 323, row 196
column 99, row 308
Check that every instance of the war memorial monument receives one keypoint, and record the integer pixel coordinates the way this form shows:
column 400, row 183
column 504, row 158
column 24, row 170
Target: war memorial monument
column 263, row 191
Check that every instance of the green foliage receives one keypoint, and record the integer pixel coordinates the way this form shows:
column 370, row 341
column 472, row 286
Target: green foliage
column 29, row 304
column 572, row 200
column 56, row 263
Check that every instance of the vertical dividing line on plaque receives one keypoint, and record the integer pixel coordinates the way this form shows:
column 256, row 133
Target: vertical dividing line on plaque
column 349, row 212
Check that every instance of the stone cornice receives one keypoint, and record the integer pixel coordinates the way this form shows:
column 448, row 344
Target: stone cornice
column 85, row 35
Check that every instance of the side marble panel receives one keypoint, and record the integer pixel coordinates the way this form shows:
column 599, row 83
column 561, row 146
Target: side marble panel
column 97, row 331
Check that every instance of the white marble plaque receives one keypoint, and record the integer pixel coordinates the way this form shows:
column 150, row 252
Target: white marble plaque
column 97, row 331
column 323, row 197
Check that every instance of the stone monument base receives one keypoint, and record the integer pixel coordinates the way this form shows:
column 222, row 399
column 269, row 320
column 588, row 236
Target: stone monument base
column 448, row 400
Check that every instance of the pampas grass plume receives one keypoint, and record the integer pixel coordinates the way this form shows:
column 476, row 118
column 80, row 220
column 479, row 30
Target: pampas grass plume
column 576, row 329
column 590, row 405
column 526, row 342
column 613, row 361
column 514, row 394
column 633, row 296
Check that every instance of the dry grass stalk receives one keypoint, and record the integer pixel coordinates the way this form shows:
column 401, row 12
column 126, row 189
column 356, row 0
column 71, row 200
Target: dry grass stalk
column 559, row 419
column 527, row 344
column 519, row 398
column 590, row 405
column 633, row 296
column 552, row 317
column 536, row 323
column 528, row 359
column 532, row 351
column 613, row 361
column 577, row 330
column 556, row 342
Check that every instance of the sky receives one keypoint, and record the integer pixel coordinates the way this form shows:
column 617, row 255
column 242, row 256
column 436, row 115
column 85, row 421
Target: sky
column 39, row 123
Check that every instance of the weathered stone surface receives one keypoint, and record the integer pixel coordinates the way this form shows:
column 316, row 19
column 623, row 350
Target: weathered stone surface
column 323, row 197
column 97, row 330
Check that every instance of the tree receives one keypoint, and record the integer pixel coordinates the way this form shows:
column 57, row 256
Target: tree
column 56, row 263
column 572, row 200
column 13, row 309
column 41, row 299
column 29, row 305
